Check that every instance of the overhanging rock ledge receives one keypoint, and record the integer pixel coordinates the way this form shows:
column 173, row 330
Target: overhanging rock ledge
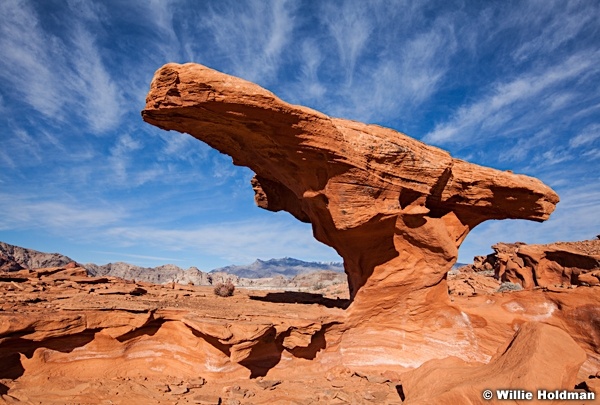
column 394, row 208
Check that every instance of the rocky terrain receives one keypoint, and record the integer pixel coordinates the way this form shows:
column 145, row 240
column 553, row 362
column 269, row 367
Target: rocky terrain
column 277, row 274
column 67, row 337
column 16, row 258
column 395, row 209
column 530, row 266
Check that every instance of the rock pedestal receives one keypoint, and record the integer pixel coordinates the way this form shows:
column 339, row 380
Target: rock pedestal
column 394, row 208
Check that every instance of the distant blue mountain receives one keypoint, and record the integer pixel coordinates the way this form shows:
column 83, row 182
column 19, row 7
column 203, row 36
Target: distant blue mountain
column 287, row 266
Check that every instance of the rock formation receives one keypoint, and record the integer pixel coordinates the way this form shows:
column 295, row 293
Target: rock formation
column 66, row 337
column 555, row 264
column 531, row 360
column 395, row 209
column 168, row 273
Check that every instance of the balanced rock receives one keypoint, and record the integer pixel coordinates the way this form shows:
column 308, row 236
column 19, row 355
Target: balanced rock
column 394, row 208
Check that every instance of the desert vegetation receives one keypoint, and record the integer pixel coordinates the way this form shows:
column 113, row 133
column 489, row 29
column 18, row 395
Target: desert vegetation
column 224, row 289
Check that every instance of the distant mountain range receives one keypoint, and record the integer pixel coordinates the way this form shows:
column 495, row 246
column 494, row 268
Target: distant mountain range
column 14, row 258
column 288, row 267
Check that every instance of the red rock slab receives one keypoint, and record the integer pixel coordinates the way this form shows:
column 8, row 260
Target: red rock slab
column 533, row 359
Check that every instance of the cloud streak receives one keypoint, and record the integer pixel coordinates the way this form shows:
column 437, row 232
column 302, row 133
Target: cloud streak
column 251, row 36
column 505, row 102
column 237, row 242
column 56, row 74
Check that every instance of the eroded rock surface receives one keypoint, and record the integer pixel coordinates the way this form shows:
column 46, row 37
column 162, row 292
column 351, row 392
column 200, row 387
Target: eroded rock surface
column 66, row 337
column 531, row 360
column 551, row 265
column 394, row 208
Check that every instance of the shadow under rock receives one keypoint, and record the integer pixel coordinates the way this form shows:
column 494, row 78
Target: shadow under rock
column 295, row 297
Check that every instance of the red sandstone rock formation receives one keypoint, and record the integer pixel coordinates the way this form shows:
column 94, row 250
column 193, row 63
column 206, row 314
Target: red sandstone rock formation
column 69, row 338
column 394, row 208
column 533, row 359
column 555, row 264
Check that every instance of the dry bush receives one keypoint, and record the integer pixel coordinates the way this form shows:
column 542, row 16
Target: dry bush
column 224, row 289
column 507, row 286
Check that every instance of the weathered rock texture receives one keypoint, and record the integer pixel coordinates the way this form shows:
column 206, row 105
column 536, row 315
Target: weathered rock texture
column 556, row 264
column 66, row 337
column 394, row 208
column 532, row 360
column 69, row 338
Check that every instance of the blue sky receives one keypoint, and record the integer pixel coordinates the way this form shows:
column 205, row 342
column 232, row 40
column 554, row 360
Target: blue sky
column 507, row 84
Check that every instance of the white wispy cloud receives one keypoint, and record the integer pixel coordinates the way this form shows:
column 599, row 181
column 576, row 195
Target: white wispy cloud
column 160, row 14
column 53, row 73
column 350, row 28
column 372, row 65
column 415, row 73
column 102, row 101
column 122, row 169
column 555, row 23
column 27, row 57
column 27, row 212
column 251, row 36
column 505, row 101
column 588, row 135
column 308, row 83
column 161, row 259
column 237, row 242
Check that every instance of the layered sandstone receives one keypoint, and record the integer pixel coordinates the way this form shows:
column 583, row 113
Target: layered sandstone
column 533, row 359
column 550, row 265
column 394, row 208
column 69, row 338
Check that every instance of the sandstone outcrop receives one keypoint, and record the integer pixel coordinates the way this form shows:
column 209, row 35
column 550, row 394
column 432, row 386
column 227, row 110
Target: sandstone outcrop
column 533, row 359
column 395, row 209
column 551, row 265
column 66, row 337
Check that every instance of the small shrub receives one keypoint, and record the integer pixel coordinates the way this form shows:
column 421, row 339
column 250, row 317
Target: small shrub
column 506, row 286
column 224, row 289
